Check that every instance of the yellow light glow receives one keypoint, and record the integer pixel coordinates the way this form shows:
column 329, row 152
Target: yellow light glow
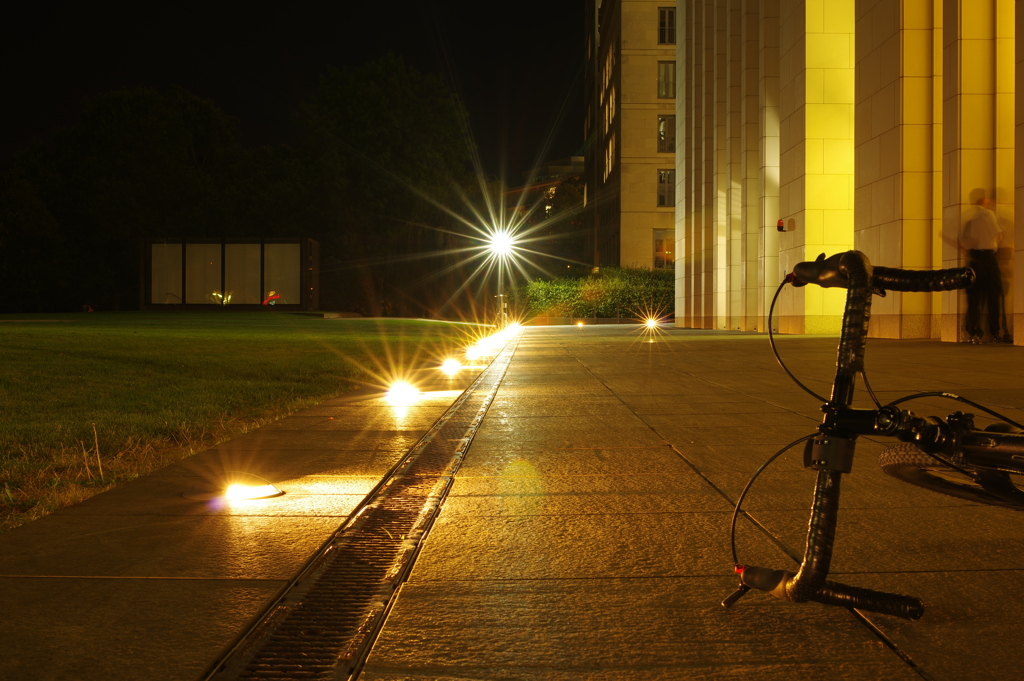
column 579, row 324
column 451, row 366
column 239, row 491
column 652, row 323
column 501, row 243
column 402, row 394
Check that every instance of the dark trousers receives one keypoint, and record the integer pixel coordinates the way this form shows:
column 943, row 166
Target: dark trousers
column 986, row 294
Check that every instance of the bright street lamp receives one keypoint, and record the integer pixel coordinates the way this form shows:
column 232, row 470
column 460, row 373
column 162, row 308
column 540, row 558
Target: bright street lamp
column 501, row 244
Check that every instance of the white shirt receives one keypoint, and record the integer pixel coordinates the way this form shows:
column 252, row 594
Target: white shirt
column 982, row 232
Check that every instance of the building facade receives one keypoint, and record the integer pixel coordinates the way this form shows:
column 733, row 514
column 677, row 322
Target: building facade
column 630, row 131
column 810, row 126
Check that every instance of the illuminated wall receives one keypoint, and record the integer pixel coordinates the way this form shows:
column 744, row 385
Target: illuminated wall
column 631, row 85
column 868, row 124
column 1017, row 286
column 899, row 142
column 979, row 104
column 766, row 104
column 642, row 79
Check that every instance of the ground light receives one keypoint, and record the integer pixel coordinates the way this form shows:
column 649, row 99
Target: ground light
column 451, row 367
column 652, row 323
column 238, row 487
column 492, row 345
column 402, row 394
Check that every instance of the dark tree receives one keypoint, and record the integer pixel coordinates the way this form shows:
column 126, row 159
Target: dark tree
column 387, row 144
column 139, row 163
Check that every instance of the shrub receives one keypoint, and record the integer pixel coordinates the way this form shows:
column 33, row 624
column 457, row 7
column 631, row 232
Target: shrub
column 613, row 292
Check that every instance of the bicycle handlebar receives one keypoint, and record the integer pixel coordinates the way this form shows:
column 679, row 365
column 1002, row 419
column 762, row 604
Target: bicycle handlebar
column 834, row 272
column 850, row 270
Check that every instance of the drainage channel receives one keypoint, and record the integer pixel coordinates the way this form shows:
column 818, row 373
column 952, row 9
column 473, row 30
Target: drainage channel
column 325, row 622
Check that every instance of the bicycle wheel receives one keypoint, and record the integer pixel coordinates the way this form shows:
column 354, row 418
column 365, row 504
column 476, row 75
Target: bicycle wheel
column 908, row 463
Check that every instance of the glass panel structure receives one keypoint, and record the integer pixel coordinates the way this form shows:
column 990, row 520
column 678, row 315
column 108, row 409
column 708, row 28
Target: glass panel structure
column 281, row 272
column 242, row 274
column 202, row 274
column 165, row 278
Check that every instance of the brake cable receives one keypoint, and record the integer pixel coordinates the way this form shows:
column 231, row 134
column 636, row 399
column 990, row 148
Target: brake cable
column 771, row 339
column 750, row 483
column 776, row 455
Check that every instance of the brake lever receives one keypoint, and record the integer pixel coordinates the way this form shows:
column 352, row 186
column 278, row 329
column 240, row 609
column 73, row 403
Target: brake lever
column 825, row 272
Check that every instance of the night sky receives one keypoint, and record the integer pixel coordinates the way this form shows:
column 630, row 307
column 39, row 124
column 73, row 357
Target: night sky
column 518, row 67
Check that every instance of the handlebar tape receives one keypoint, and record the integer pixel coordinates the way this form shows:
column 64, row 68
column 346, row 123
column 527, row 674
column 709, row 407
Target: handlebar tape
column 834, row 593
column 892, row 279
column 776, row 583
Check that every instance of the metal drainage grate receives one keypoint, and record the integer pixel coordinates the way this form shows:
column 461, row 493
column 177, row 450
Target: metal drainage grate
column 324, row 624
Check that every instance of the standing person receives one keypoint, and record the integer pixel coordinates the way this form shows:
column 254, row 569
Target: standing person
column 981, row 238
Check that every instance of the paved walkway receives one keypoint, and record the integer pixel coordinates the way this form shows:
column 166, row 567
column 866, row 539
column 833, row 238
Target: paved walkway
column 585, row 535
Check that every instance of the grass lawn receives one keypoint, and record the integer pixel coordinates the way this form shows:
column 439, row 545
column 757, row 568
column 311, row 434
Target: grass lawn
column 159, row 386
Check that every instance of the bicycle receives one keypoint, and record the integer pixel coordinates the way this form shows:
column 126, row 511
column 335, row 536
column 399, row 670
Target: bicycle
column 947, row 455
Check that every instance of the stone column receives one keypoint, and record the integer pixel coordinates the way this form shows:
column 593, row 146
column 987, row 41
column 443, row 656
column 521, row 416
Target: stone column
column 769, row 273
column 898, row 129
column 978, row 120
column 1018, row 253
column 734, row 167
column 708, row 158
column 750, row 163
column 816, row 161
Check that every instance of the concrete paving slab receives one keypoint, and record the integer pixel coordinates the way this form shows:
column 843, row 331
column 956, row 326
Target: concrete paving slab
column 541, row 432
column 769, row 418
column 528, row 408
column 736, row 434
column 102, row 629
column 613, row 629
column 203, row 547
column 793, row 489
column 671, row 408
column 276, row 465
column 522, row 494
column 968, row 631
column 910, row 539
column 501, row 460
column 586, row 546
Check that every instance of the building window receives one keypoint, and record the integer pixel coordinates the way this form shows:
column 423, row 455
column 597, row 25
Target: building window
column 609, row 109
column 666, row 134
column 666, row 25
column 664, row 241
column 666, row 188
column 609, row 157
column 666, row 80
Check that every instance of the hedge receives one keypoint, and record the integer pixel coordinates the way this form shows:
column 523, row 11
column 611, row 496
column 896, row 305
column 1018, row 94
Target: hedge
column 613, row 292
